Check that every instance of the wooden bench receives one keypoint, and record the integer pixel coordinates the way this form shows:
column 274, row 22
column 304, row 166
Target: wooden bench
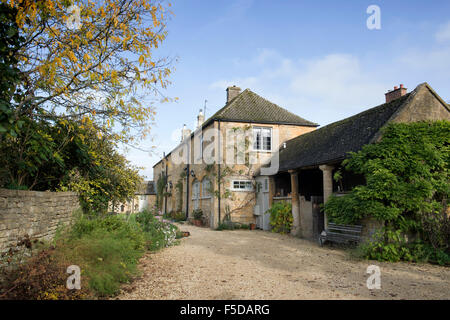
column 341, row 233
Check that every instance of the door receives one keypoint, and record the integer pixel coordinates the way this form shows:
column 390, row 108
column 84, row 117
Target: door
column 262, row 203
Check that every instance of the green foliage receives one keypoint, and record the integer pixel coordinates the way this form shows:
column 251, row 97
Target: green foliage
column 198, row 214
column 107, row 249
column 407, row 188
column 391, row 245
column 229, row 225
column 281, row 217
column 179, row 188
column 175, row 216
column 159, row 234
column 160, row 186
column 10, row 76
column 67, row 155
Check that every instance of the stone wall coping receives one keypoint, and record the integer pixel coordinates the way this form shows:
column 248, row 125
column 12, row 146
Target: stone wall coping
column 10, row 193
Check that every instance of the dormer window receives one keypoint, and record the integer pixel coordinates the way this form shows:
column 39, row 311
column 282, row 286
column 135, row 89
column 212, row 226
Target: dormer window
column 262, row 139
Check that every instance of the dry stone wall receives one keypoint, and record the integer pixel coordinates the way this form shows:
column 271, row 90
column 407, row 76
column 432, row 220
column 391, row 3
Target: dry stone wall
column 33, row 213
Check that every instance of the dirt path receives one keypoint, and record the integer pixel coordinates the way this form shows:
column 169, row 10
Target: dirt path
column 261, row 265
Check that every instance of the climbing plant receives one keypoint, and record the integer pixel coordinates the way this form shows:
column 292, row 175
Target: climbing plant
column 407, row 187
column 179, row 188
column 160, row 186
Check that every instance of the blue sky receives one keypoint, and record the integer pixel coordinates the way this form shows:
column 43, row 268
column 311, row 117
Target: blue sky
column 316, row 59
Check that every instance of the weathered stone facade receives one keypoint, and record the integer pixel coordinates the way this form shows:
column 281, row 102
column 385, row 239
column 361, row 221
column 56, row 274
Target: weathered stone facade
column 239, row 203
column 34, row 213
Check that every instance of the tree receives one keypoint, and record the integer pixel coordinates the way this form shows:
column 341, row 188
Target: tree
column 96, row 171
column 102, row 71
column 9, row 73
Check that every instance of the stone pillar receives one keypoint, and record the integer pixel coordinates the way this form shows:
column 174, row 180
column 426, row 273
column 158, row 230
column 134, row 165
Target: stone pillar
column 327, row 185
column 271, row 190
column 296, row 228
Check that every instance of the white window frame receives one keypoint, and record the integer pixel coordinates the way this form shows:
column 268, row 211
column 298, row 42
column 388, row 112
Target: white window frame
column 196, row 190
column 262, row 140
column 206, row 189
column 246, row 183
column 200, row 146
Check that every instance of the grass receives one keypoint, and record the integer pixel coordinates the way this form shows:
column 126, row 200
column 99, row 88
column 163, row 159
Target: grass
column 107, row 250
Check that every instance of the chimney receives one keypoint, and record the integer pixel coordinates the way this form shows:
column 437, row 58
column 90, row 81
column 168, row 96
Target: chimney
column 185, row 133
column 200, row 119
column 396, row 93
column 232, row 92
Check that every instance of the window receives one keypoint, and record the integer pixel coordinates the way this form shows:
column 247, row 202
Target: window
column 196, row 190
column 262, row 139
column 198, row 147
column 206, row 188
column 242, row 185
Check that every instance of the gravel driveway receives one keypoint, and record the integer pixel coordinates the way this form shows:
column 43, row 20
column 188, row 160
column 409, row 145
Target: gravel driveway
column 245, row 264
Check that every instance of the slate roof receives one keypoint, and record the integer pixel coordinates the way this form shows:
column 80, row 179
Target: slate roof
column 332, row 142
column 147, row 187
column 252, row 108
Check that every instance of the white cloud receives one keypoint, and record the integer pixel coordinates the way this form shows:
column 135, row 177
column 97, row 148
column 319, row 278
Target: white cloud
column 335, row 84
column 443, row 34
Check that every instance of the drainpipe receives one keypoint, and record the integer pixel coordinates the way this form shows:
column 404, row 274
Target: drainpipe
column 218, row 169
column 165, row 196
column 187, row 181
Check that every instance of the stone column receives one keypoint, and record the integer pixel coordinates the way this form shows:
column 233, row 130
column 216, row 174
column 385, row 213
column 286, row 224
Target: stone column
column 327, row 185
column 271, row 190
column 296, row 228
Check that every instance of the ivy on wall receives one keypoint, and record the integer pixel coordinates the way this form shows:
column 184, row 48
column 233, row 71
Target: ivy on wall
column 407, row 187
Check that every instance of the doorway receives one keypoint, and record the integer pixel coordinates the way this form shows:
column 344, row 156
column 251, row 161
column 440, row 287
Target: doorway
column 262, row 203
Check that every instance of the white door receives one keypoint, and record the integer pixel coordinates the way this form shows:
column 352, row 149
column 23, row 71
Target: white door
column 262, row 203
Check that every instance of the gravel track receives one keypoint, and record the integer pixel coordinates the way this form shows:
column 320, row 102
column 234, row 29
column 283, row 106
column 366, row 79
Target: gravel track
column 245, row 264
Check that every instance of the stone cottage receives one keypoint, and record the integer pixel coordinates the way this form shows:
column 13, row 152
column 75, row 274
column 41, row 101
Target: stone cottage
column 308, row 162
column 214, row 167
column 305, row 159
column 144, row 198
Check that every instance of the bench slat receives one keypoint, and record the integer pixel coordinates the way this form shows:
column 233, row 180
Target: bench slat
column 342, row 233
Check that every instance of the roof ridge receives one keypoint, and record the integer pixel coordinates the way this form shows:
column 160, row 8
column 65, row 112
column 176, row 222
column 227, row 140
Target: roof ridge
column 284, row 109
column 368, row 111
column 251, row 107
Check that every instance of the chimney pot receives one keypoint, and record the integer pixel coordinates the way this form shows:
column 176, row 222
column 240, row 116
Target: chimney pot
column 396, row 93
column 185, row 133
column 200, row 118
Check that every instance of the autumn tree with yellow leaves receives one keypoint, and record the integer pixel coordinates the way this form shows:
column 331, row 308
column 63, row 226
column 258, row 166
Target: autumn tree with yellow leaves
column 93, row 61
column 78, row 78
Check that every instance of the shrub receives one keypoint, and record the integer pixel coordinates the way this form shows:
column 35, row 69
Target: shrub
column 198, row 214
column 175, row 216
column 229, row 225
column 281, row 217
column 158, row 234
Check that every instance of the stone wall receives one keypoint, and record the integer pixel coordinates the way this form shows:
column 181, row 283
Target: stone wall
column 34, row 213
